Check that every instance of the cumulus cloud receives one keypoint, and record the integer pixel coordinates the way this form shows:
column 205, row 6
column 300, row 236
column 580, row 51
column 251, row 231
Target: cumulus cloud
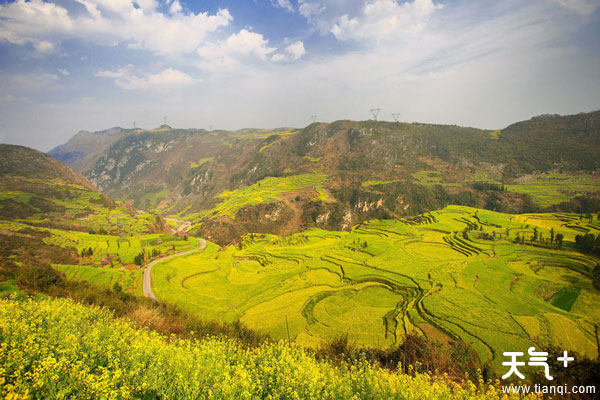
column 169, row 78
column 291, row 53
column 242, row 46
column 109, row 22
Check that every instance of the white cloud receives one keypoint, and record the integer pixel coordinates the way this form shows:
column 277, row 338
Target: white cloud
column 291, row 53
column 167, row 79
column 109, row 22
column 242, row 46
column 44, row 47
column 309, row 9
column 385, row 20
column 175, row 7
column 63, row 71
column 285, row 4
column 582, row 7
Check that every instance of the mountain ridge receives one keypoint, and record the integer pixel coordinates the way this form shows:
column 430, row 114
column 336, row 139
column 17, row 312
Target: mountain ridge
column 373, row 169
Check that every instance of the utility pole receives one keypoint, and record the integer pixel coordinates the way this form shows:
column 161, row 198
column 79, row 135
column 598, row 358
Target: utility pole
column 375, row 112
column 396, row 117
column 313, row 118
column 134, row 127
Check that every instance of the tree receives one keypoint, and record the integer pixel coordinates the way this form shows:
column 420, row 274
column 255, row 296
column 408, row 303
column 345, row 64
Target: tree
column 596, row 277
column 139, row 259
column 517, row 239
column 551, row 235
column 559, row 239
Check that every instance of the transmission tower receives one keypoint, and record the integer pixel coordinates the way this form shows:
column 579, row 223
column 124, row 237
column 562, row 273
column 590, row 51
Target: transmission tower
column 164, row 120
column 134, row 126
column 313, row 118
column 396, row 117
column 375, row 112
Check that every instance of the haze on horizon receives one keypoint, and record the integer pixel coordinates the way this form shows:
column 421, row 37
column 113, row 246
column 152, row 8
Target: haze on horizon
column 68, row 65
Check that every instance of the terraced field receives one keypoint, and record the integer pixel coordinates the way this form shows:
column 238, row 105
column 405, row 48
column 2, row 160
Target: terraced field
column 107, row 259
column 263, row 191
column 552, row 188
column 449, row 274
column 69, row 206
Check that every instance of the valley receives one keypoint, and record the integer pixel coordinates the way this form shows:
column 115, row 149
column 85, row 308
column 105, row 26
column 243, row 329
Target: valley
column 360, row 233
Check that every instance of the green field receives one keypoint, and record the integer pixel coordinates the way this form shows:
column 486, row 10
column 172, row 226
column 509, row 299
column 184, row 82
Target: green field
column 553, row 188
column 448, row 274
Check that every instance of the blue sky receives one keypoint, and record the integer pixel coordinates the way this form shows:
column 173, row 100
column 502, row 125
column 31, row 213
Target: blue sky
column 68, row 65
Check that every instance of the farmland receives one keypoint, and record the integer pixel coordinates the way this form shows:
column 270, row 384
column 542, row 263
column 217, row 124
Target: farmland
column 107, row 259
column 456, row 273
column 553, row 188
column 264, row 191
column 54, row 348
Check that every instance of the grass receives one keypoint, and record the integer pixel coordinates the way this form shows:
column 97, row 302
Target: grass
column 553, row 188
column 201, row 162
column 427, row 177
column 387, row 278
column 312, row 159
column 374, row 183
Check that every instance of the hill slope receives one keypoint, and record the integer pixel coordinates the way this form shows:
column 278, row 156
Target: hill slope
column 37, row 190
column 371, row 169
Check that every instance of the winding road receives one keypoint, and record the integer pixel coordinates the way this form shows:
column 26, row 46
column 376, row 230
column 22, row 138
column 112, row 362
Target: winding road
column 147, row 271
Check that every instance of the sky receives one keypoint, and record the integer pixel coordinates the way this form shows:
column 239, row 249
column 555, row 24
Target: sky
column 70, row 65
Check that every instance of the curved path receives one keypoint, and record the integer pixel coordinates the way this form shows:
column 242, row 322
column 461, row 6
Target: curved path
column 148, row 278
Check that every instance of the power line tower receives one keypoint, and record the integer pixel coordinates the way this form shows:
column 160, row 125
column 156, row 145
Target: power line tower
column 396, row 117
column 375, row 112
column 164, row 120
column 313, row 118
column 134, row 126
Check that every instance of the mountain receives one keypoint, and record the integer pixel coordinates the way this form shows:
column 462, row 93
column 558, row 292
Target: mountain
column 85, row 145
column 339, row 174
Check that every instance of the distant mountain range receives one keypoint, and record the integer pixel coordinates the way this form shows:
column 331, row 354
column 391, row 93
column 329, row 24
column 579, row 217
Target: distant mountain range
column 339, row 174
